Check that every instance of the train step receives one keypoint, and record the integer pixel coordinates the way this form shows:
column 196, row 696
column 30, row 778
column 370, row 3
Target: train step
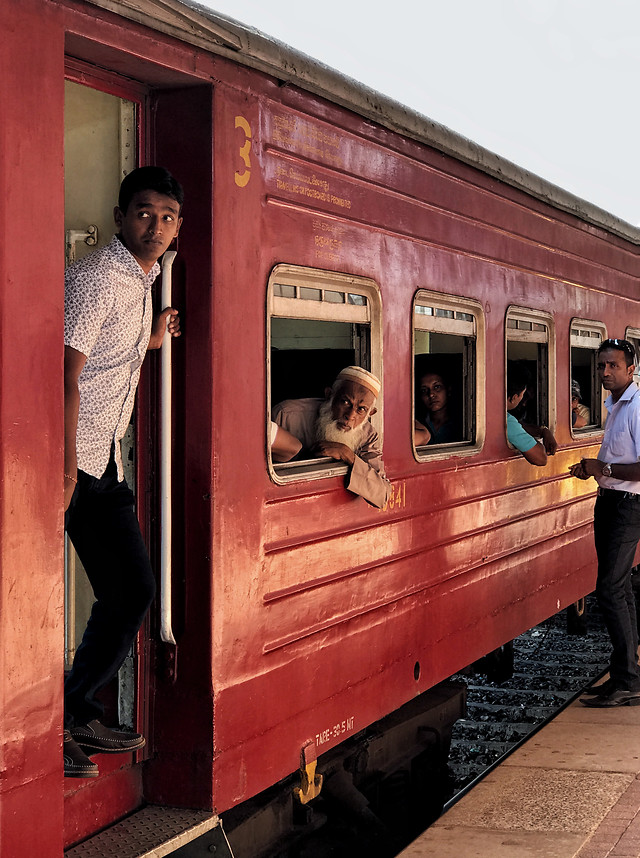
column 153, row 832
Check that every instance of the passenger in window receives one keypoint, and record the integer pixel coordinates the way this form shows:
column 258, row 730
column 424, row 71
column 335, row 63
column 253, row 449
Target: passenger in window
column 519, row 435
column 339, row 427
column 435, row 422
column 579, row 413
column 284, row 446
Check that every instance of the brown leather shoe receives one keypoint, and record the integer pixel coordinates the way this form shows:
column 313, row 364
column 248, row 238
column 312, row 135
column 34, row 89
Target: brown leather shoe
column 98, row 739
column 76, row 763
column 618, row 697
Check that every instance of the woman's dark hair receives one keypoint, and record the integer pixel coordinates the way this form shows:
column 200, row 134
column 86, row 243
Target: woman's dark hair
column 434, row 365
column 157, row 179
column 518, row 377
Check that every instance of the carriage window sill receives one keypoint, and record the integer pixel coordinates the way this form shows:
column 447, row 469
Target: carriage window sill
column 427, row 452
column 308, row 469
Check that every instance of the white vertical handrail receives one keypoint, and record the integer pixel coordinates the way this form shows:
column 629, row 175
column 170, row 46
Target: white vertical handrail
column 166, row 632
column 69, row 602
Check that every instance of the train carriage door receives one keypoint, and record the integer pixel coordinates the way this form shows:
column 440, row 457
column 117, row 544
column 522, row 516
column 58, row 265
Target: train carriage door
column 109, row 121
column 101, row 145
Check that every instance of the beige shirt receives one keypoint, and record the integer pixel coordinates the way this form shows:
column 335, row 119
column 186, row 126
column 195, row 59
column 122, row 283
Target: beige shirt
column 366, row 476
column 107, row 317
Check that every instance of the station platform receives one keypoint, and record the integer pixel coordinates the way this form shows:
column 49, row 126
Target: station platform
column 570, row 791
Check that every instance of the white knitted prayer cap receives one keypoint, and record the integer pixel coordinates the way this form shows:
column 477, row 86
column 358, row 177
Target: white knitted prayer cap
column 361, row 376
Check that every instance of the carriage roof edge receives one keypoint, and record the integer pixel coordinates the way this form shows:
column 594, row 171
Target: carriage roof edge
column 219, row 34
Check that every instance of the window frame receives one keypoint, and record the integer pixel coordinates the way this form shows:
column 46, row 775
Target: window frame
column 278, row 306
column 452, row 327
column 533, row 316
column 597, row 390
column 633, row 335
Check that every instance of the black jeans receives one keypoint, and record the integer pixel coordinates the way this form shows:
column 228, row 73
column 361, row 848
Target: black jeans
column 102, row 525
column 616, row 527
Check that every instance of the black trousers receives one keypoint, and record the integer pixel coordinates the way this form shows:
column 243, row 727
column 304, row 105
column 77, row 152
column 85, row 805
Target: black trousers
column 616, row 527
column 102, row 525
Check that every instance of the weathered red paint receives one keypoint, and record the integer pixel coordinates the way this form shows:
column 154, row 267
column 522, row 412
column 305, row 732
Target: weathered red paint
column 300, row 613
column 92, row 805
column 31, row 591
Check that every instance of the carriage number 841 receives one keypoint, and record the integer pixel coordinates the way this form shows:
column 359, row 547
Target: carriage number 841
column 397, row 496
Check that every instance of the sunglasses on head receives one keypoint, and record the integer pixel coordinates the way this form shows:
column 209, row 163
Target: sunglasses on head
column 623, row 345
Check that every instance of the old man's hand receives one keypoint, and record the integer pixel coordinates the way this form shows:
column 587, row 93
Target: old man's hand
column 334, row 450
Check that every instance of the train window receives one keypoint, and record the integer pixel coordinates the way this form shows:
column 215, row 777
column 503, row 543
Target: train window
column 633, row 335
column 319, row 322
column 448, row 349
column 530, row 340
column 586, row 336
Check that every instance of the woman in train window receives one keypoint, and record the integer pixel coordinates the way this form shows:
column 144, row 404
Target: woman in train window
column 580, row 414
column 436, row 421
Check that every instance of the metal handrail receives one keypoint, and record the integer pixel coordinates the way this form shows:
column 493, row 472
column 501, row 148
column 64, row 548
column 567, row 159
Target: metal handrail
column 166, row 631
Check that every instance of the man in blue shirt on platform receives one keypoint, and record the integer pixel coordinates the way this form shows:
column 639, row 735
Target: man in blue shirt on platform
column 519, row 436
column 616, row 522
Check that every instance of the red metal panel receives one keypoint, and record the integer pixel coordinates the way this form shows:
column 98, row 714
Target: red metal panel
column 31, row 299
column 329, row 603
column 92, row 805
column 274, row 713
column 181, row 770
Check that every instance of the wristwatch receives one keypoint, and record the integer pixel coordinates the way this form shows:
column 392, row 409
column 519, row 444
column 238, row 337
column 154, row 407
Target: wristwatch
column 606, row 470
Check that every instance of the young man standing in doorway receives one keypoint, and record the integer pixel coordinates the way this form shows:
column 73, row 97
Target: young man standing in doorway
column 109, row 325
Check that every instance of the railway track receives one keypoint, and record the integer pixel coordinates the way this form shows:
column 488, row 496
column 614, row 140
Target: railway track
column 551, row 667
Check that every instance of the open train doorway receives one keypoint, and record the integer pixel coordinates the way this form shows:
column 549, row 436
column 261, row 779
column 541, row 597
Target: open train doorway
column 101, row 139
column 100, row 149
column 111, row 126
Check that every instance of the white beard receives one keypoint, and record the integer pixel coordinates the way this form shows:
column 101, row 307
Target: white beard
column 328, row 430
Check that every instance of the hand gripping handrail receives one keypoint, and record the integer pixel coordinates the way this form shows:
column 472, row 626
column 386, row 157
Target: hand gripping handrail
column 166, row 632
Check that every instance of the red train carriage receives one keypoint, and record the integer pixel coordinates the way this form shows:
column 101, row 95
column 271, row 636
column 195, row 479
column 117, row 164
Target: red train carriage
column 324, row 226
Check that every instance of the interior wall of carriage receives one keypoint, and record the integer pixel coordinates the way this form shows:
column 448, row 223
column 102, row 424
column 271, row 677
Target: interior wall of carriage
column 101, row 146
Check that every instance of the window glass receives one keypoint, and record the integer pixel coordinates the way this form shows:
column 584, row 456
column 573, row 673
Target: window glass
column 319, row 322
column 530, row 341
column 448, row 344
column 586, row 336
